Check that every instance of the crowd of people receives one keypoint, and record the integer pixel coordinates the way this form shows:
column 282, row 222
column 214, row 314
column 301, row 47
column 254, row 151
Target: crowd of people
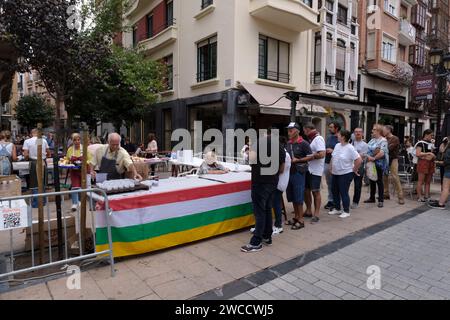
column 343, row 158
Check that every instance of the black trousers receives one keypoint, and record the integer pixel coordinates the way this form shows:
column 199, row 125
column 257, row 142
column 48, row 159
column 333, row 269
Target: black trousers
column 379, row 184
column 262, row 199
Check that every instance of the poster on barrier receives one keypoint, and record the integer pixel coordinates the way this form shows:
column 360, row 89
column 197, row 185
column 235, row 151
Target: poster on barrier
column 14, row 216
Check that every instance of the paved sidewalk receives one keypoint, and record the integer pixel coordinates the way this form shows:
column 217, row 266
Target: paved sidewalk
column 195, row 269
column 413, row 257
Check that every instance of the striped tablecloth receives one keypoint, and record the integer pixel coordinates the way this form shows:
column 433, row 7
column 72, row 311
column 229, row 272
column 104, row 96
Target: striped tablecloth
column 147, row 222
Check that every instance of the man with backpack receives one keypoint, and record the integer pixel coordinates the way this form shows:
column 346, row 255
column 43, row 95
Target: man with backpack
column 7, row 155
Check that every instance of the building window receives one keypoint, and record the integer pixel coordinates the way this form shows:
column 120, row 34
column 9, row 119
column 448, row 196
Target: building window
column 353, row 26
column 169, row 13
column 308, row 3
column 135, row 39
column 206, row 3
column 150, row 26
column 207, row 59
column 342, row 14
column 417, row 54
column 167, row 129
column 388, row 49
column 274, row 58
column 389, row 6
column 418, row 15
column 340, row 80
column 351, row 85
column 317, row 52
column 329, row 5
column 329, row 18
column 328, row 78
column 168, row 61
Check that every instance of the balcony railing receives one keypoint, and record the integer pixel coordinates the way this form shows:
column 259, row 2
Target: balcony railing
column 159, row 37
column 407, row 33
column 273, row 75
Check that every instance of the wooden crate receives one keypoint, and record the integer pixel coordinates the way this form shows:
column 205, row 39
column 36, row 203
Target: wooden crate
column 10, row 186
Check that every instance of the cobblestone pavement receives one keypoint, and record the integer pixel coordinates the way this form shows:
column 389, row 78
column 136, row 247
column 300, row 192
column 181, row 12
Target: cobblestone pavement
column 413, row 258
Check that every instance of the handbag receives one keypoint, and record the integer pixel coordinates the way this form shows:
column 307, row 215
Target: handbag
column 371, row 171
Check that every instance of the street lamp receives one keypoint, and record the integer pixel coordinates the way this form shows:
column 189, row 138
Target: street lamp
column 441, row 66
column 294, row 97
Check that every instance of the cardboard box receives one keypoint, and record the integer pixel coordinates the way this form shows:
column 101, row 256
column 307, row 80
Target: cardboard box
column 70, row 226
column 10, row 186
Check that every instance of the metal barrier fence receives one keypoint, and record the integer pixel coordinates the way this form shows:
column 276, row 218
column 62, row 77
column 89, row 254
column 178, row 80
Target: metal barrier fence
column 67, row 259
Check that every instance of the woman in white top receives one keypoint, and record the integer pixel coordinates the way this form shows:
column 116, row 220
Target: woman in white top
column 152, row 150
column 8, row 154
column 345, row 164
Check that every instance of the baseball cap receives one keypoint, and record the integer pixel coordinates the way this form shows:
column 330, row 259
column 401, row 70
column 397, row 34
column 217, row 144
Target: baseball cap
column 293, row 125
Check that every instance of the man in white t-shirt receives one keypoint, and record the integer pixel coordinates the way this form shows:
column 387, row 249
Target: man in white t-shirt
column 29, row 148
column 315, row 171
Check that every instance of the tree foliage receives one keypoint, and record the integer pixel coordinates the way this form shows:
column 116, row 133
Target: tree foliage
column 72, row 52
column 33, row 109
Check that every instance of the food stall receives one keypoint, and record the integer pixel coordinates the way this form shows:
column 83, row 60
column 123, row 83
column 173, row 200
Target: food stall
column 175, row 211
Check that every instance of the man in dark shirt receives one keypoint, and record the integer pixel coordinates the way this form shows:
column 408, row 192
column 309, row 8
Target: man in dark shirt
column 331, row 142
column 394, row 150
column 300, row 152
column 130, row 147
column 264, row 185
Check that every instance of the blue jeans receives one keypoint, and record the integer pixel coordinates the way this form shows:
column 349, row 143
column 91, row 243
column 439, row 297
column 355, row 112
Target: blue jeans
column 329, row 178
column 262, row 198
column 296, row 188
column 34, row 200
column 277, row 198
column 341, row 185
column 75, row 196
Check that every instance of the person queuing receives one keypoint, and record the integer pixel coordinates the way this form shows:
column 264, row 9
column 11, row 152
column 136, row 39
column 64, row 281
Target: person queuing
column 283, row 182
column 211, row 166
column 425, row 164
column 300, row 153
column 440, row 157
column 8, row 154
column 445, row 159
column 379, row 155
column 75, row 156
column 30, row 152
column 345, row 165
column 315, row 171
column 362, row 148
column 394, row 150
column 113, row 160
column 264, row 185
column 332, row 140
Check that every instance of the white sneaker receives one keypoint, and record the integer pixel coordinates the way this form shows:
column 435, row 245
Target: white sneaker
column 335, row 212
column 354, row 206
column 344, row 215
column 276, row 230
column 74, row 207
column 252, row 230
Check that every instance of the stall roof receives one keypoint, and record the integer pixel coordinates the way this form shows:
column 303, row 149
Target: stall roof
column 270, row 102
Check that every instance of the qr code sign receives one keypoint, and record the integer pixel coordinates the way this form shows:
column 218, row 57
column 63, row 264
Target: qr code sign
column 14, row 215
column 11, row 220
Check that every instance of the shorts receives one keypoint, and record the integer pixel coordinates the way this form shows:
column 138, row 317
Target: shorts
column 313, row 182
column 447, row 174
column 425, row 166
column 296, row 188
